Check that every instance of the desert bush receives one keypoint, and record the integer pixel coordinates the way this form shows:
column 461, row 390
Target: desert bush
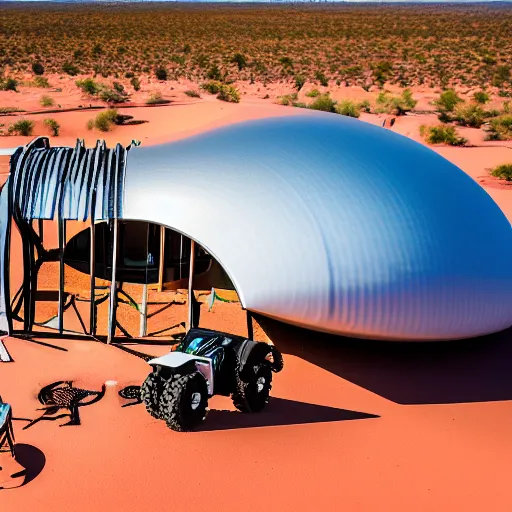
column 214, row 73
column 397, row 105
column 37, row 68
column 41, row 82
column 448, row 100
column 213, row 86
column 481, row 97
column 239, row 60
column 503, row 172
column 229, row 93
column 313, row 93
column 111, row 96
column 500, row 128
column 442, row 135
column 104, row 120
column 192, row 93
column 70, row 69
column 161, row 73
column 10, row 110
column 324, row 103
column 23, row 127
column 300, row 80
column 365, row 106
column 135, row 83
column 157, row 99
column 118, row 87
column 46, row 101
column 348, row 108
column 471, row 115
column 89, row 86
column 322, row 79
column 287, row 100
column 8, row 84
column 53, row 126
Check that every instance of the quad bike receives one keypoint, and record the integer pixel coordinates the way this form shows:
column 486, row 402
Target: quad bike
column 204, row 364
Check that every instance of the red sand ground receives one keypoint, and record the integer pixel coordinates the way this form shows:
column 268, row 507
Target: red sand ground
column 353, row 425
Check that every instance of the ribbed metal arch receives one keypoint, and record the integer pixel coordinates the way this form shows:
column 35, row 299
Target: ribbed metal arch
column 59, row 182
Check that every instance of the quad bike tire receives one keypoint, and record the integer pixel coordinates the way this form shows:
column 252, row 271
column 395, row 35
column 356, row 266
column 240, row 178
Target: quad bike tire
column 184, row 401
column 150, row 392
column 253, row 382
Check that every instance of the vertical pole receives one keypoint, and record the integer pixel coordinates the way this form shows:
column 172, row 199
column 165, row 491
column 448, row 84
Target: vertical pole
column 144, row 312
column 62, row 244
column 92, row 271
column 250, row 329
column 113, row 286
column 161, row 260
column 190, row 320
column 40, row 229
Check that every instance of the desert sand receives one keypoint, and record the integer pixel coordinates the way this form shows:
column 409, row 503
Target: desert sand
column 352, row 425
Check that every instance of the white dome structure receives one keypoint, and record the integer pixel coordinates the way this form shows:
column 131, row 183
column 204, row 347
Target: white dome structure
column 319, row 220
column 336, row 225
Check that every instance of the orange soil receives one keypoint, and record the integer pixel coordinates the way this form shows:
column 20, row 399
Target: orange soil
column 430, row 424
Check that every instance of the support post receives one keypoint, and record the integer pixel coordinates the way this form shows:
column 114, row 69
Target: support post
column 144, row 312
column 62, row 244
column 92, row 271
column 113, row 286
column 250, row 329
column 161, row 262
column 190, row 320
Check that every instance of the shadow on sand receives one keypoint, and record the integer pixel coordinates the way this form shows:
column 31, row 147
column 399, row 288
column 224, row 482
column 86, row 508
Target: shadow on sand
column 31, row 458
column 475, row 370
column 27, row 465
column 279, row 412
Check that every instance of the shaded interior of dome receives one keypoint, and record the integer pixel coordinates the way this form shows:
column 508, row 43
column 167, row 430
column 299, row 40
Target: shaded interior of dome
column 147, row 254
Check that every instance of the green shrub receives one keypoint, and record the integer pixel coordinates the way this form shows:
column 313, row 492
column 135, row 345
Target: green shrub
column 192, row 94
column 397, row 105
column 239, row 60
column 41, row 82
column 229, row 93
column 324, row 103
column 135, row 83
column 324, row 81
column 104, row 120
column 53, row 126
column 8, row 84
column 23, row 127
column 10, row 110
column 313, row 93
column 288, row 99
column 111, row 96
column 442, row 135
column 500, row 128
column 214, row 73
column 213, row 86
column 365, row 106
column 89, row 86
column 503, row 172
column 300, row 80
column 118, row 87
column 161, row 73
column 70, row 69
column 157, row 99
column 348, row 108
column 448, row 100
column 469, row 115
column 38, row 68
column 481, row 97
column 46, row 101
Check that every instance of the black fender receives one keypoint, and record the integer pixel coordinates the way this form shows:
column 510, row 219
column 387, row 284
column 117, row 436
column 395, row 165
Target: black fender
column 252, row 353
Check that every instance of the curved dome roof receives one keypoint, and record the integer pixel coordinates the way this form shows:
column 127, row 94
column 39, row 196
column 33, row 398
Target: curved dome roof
column 333, row 224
